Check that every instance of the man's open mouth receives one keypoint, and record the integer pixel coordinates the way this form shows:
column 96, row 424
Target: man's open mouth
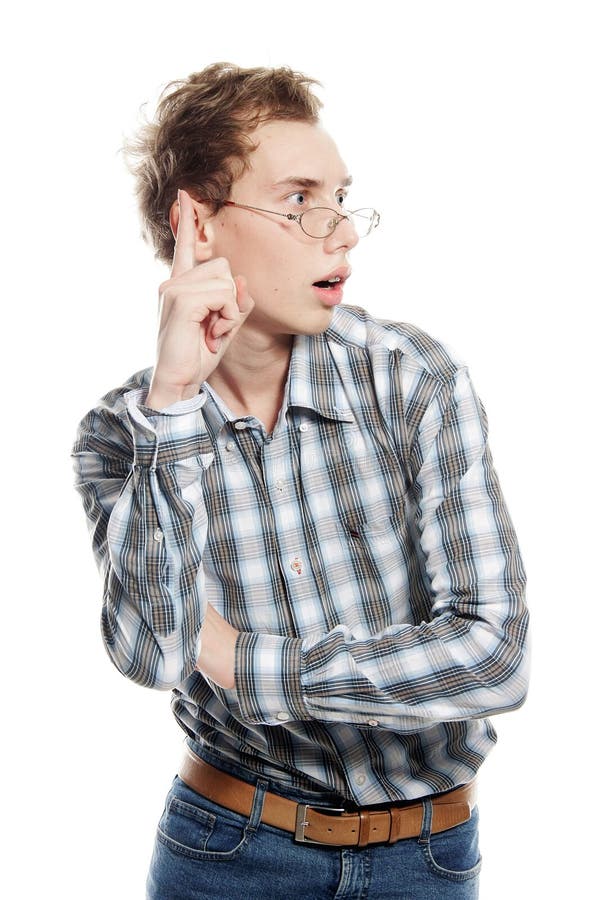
column 331, row 282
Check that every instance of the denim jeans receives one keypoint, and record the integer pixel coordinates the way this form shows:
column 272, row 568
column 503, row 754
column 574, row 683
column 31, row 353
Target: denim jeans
column 204, row 850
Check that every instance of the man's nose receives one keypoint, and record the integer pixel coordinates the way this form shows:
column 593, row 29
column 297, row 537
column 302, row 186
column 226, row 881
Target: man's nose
column 344, row 235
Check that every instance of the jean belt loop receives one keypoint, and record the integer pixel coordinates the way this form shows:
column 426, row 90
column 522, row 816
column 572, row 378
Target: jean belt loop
column 426, row 823
column 257, row 805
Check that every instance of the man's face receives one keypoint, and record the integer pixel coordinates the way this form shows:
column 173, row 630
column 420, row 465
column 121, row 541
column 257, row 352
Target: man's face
column 295, row 166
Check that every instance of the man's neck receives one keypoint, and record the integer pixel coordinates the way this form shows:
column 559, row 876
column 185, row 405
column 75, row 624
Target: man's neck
column 252, row 375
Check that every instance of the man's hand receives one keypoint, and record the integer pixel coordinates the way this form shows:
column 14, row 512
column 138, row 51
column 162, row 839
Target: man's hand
column 201, row 309
column 217, row 654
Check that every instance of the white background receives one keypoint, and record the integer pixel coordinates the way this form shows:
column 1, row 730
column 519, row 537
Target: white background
column 473, row 128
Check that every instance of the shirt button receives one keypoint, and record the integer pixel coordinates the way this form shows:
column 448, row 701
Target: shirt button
column 230, row 445
column 373, row 723
column 296, row 565
column 279, row 484
column 240, row 426
column 282, row 716
column 158, row 535
column 360, row 779
column 303, row 427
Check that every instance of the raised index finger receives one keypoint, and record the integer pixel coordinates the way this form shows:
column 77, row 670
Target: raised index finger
column 184, row 257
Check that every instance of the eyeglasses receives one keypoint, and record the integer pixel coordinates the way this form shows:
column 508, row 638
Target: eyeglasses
column 319, row 221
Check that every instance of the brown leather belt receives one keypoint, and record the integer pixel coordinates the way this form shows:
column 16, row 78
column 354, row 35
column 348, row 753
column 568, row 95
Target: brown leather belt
column 323, row 825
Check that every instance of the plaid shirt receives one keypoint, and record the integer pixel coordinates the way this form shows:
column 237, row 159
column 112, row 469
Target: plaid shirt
column 363, row 550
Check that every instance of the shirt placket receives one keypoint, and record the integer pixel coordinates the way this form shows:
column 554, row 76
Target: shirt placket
column 294, row 557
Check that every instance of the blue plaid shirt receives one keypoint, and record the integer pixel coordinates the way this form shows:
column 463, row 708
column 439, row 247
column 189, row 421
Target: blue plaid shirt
column 363, row 550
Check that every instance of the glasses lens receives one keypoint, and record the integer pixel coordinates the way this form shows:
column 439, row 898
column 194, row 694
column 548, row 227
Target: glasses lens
column 319, row 222
column 364, row 220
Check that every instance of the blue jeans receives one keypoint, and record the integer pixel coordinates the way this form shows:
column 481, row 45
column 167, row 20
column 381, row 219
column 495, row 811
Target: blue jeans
column 204, row 850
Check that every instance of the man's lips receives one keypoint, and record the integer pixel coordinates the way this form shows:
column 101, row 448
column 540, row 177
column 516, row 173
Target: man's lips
column 331, row 288
column 333, row 279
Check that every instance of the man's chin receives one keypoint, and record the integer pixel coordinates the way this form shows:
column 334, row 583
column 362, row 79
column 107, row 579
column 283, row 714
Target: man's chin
column 317, row 324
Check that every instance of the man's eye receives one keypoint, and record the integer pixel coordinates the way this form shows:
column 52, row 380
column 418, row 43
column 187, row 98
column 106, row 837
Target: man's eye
column 341, row 199
column 298, row 198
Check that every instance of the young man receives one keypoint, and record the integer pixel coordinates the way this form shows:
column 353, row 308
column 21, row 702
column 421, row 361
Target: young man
column 299, row 527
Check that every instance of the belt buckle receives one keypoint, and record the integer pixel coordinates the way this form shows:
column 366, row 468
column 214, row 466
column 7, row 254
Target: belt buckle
column 301, row 823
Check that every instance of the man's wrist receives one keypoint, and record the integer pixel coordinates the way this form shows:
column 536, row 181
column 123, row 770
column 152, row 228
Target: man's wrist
column 160, row 396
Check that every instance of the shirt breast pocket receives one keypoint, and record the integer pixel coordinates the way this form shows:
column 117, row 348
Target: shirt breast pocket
column 380, row 552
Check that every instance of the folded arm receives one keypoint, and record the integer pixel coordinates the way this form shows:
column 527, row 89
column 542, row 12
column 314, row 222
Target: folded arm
column 468, row 657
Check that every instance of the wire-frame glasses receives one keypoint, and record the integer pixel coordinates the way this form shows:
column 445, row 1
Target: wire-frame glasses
column 320, row 221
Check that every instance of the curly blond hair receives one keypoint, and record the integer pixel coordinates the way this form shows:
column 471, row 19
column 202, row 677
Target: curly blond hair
column 200, row 138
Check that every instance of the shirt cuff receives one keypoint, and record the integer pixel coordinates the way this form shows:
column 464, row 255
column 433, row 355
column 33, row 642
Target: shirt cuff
column 175, row 433
column 267, row 678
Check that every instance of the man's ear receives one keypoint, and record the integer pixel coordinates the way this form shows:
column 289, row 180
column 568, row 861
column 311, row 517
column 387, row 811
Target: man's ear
column 204, row 227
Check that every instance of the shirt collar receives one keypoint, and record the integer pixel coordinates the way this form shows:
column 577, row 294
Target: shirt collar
column 314, row 381
column 216, row 412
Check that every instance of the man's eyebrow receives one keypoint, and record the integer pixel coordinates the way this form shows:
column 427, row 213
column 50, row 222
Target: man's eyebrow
column 306, row 183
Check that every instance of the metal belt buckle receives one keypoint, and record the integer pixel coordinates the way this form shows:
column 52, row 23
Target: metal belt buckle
column 301, row 823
